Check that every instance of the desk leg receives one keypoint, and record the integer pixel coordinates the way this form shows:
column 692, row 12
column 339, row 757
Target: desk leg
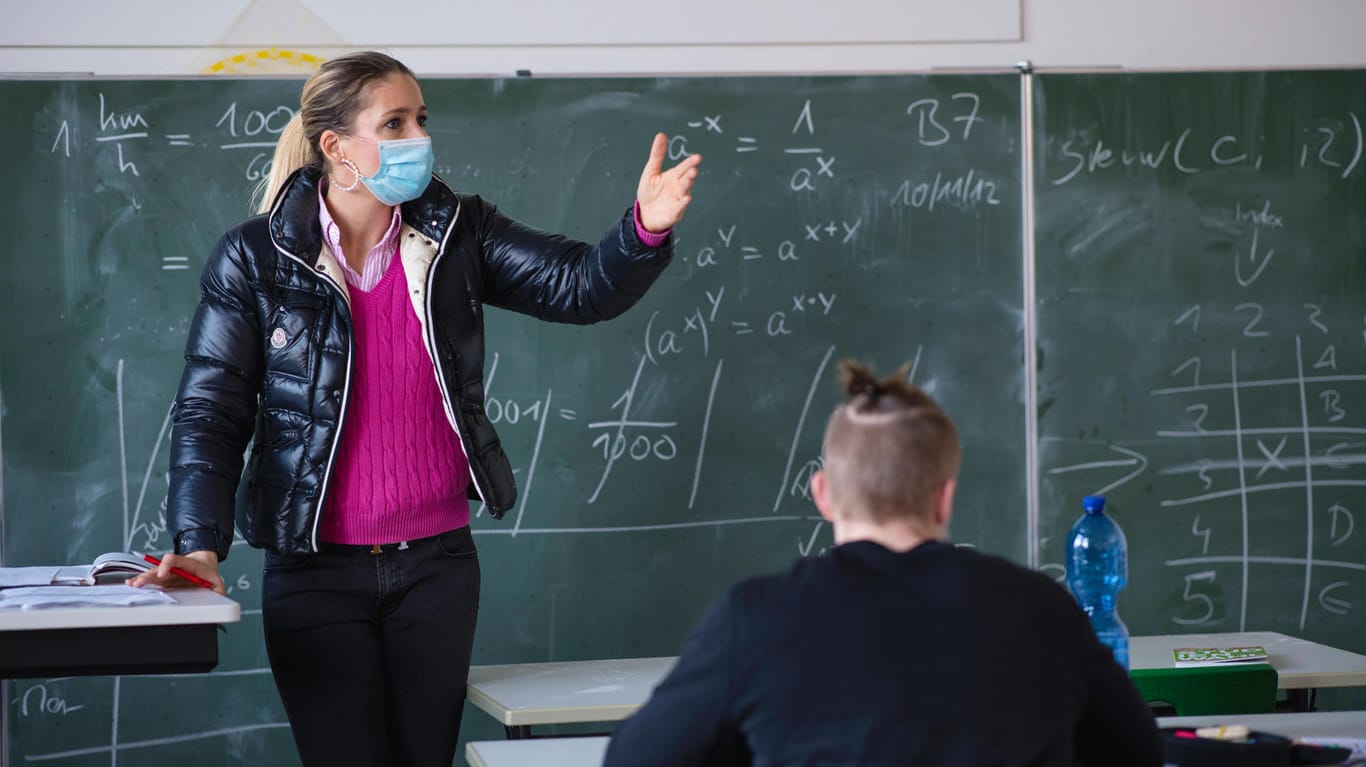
column 517, row 731
column 4, row 723
column 1303, row 699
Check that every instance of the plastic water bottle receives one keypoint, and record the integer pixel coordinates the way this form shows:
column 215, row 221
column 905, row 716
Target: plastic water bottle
column 1097, row 568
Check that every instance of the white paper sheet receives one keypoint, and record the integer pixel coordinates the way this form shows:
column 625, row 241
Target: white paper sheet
column 27, row 576
column 41, row 597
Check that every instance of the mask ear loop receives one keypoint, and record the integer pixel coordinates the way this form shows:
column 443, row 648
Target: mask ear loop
column 351, row 166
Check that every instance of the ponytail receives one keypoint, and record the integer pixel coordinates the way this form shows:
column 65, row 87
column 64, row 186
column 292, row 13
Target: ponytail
column 292, row 151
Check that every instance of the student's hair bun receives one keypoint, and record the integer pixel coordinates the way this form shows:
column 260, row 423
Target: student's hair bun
column 868, row 392
column 859, row 380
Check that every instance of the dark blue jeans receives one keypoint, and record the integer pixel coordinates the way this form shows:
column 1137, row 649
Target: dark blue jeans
column 371, row 652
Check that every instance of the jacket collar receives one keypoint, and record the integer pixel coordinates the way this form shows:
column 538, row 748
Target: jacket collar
column 294, row 216
column 434, row 212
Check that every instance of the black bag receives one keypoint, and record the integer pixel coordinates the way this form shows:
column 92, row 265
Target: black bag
column 1182, row 748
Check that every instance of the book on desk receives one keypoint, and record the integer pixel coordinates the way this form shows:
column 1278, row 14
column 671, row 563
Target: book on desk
column 1199, row 657
column 111, row 567
column 108, row 568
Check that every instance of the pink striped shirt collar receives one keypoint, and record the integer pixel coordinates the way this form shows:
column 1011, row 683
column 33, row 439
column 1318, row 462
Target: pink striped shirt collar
column 376, row 261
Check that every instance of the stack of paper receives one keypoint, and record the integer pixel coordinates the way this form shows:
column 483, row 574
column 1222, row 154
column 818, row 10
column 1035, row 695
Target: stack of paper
column 41, row 597
column 27, row 576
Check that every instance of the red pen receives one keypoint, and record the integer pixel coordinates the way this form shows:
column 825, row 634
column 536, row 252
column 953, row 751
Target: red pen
column 187, row 575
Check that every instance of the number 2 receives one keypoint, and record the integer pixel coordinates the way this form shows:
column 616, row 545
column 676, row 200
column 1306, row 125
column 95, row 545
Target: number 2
column 1256, row 318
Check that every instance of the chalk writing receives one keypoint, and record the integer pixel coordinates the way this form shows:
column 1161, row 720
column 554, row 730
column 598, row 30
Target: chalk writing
column 253, row 123
column 1332, row 604
column 644, row 441
column 845, row 231
column 38, row 700
column 1269, row 466
column 712, row 123
column 801, row 422
column 1205, row 611
column 1336, row 147
column 808, row 548
column 1133, row 464
column 930, row 129
column 63, row 139
column 964, row 192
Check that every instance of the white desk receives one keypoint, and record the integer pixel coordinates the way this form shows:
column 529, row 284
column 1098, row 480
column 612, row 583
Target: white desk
column 1302, row 666
column 1299, row 663
column 537, row 752
column 142, row 639
column 589, row 752
column 524, row 694
column 1320, row 724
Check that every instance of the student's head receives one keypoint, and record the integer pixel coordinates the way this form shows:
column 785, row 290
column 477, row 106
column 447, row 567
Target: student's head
column 890, row 456
column 348, row 105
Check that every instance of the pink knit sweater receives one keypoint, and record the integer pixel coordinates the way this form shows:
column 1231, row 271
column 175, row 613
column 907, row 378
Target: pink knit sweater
column 400, row 472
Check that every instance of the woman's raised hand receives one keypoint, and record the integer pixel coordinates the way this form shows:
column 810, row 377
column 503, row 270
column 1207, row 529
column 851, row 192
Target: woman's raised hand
column 664, row 194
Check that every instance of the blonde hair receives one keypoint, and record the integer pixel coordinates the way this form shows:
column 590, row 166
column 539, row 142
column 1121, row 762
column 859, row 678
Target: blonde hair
column 331, row 99
column 889, row 449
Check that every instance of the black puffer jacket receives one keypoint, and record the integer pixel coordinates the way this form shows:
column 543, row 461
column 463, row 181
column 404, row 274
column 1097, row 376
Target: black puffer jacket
column 269, row 351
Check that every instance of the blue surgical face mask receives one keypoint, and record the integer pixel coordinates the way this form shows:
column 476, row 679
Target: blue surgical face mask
column 405, row 170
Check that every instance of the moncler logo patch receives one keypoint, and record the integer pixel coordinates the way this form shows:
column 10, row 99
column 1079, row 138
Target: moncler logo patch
column 278, row 339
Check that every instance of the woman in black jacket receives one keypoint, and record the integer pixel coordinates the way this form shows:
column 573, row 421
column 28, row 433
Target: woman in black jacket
column 341, row 334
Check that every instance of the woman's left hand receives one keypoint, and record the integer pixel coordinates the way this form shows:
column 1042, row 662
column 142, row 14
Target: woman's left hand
column 664, row 194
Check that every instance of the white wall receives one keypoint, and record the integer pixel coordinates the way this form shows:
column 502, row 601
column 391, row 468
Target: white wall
column 173, row 37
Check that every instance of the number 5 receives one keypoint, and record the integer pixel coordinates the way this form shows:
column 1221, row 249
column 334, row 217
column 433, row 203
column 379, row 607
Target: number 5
column 1207, row 575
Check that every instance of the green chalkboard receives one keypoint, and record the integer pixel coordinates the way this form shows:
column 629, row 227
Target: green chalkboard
column 661, row 456
column 1201, row 289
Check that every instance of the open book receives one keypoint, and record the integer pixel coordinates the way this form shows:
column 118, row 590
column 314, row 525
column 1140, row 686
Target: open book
column 114, row 567
column 1191, row 657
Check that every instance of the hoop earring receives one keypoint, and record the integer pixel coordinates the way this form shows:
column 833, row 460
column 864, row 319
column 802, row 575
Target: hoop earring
column 351, row 166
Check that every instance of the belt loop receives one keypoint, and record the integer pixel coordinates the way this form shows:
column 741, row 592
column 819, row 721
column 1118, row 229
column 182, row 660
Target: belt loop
column 375, row 549
column 402, row 545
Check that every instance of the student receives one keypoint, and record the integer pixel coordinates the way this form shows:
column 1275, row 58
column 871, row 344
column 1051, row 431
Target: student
column 342, row 333
column 895, row 647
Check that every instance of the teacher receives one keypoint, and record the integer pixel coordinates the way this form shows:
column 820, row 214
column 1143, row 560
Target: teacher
column 341, row 334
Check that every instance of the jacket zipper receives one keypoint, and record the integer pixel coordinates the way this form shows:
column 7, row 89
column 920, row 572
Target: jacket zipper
column 346, row 390
column 430, row 339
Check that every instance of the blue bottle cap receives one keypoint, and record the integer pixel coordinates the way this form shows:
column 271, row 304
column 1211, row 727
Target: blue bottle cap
column 1093, row 504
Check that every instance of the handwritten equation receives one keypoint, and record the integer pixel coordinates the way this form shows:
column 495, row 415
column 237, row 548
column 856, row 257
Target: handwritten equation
column 1335, row 145
column 119, row 135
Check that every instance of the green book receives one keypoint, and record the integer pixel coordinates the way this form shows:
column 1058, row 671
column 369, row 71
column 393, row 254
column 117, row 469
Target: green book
column 1189, row 657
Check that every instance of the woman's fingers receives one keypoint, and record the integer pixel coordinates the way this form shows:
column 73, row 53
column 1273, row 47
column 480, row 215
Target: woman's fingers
column 665, row 194
column 203, row 564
